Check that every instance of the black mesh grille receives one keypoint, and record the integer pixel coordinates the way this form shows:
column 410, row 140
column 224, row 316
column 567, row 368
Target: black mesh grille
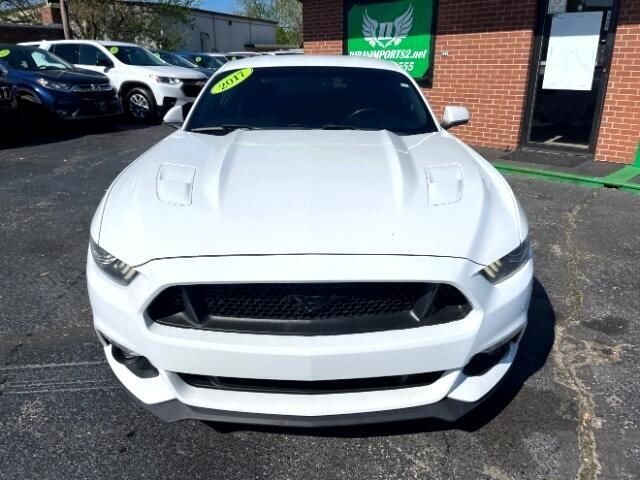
column 312, row 387
column 308, row 309
column 308, row 301
column 191, row 88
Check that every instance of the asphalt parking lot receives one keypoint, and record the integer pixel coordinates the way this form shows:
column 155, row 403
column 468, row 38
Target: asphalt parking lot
column 570, row 407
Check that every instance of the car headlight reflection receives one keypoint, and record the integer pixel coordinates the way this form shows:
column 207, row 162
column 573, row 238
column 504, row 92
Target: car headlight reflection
column 513, row 261
column 54, row 85
column 119, row 271
column 168, row 80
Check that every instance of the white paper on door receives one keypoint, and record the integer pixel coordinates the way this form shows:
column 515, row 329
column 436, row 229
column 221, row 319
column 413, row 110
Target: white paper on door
column 573, row 48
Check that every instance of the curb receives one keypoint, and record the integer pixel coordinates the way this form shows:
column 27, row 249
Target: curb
column 618, row 179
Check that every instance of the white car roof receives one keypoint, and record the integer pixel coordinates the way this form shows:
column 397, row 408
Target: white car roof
column 92, row 42
column 311, row 61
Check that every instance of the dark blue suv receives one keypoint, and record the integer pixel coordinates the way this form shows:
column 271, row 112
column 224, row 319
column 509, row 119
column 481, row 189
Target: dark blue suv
column 43, row 81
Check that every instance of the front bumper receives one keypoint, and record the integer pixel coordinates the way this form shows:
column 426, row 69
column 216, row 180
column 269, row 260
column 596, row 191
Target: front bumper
column 500, row 314
column 74, row 107
column 168, row 96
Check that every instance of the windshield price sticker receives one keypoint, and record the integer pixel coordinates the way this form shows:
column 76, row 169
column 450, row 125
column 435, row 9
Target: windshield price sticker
column 113, row 50
column 401, row 31
column 4, row 53
column 198, row 59
column 231, row 81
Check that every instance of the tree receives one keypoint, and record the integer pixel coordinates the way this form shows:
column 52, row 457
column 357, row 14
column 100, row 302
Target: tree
column 65, row 19
column 288, row 14
column 20, row 11
column 155, row 23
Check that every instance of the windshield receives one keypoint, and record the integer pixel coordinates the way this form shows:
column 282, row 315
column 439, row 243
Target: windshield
column 174, row 59
column 312, row 98
column 132, row 55
column 22, row 58
column 205, row 61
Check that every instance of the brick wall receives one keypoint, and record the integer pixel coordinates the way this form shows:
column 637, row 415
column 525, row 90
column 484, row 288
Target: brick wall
column 620, row 126
column 322, row 26
column 50, row 14
column 489, row 44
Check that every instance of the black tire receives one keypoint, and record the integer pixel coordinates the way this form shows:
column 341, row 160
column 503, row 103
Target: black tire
column 140, row 105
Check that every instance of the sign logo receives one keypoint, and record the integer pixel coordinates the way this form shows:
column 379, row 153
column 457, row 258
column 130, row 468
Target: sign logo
column 385, row 34
column 400, row 31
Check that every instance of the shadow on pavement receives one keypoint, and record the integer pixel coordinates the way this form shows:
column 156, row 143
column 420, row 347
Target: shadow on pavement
column 534, row 350
column 20, row 132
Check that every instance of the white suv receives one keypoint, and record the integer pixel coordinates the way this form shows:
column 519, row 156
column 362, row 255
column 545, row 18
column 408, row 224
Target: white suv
column 147, row 85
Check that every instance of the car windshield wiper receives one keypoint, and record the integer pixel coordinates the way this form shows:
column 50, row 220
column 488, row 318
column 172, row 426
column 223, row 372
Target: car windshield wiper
column 337, row 126
column 227, row 128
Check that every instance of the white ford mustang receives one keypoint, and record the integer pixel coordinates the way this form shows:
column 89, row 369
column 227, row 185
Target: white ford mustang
column 310, row 248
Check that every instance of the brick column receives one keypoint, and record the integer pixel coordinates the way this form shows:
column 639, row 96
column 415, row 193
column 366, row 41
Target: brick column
column 322, row 26
column 620, row 125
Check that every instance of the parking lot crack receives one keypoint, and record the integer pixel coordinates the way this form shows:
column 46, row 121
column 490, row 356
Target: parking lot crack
column 571, row 353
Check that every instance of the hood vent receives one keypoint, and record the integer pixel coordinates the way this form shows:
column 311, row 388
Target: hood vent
column 175, row 184
column 445, row 184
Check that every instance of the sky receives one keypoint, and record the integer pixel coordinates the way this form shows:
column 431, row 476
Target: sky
column 218, row 5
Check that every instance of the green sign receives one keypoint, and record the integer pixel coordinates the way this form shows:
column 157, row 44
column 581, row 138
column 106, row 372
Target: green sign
column 402, row 31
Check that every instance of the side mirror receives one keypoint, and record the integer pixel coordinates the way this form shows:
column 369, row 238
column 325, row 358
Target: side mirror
column 104, row 62
column 175, row 116
column 454, row 116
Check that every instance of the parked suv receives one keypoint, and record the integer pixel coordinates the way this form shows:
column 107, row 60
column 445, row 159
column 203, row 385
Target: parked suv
column 210, row 61
column 175, row 59
column 43, row 82
column 147, row 85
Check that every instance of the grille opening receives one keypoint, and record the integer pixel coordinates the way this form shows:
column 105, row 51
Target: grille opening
column 192, row 88
column 318, row 387
column 308, row 309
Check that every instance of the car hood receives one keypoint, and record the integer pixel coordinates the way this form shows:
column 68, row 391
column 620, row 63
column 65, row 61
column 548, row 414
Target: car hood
column 75, row 76
column 308, row 192
column 171, row 71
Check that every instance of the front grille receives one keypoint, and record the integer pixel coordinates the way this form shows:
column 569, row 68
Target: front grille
column 92, row 87
column 312, row 387
column 191, row 88
column 308, row 309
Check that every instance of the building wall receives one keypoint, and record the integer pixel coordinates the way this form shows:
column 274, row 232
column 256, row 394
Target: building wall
column 489, row 45
column 620, row 125
column 228, row 33
column 50, row 14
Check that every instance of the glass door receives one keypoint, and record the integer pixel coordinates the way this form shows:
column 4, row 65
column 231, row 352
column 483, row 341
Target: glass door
column 570, row 73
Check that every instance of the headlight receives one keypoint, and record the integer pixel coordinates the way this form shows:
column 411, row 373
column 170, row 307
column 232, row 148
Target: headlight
column 509, row 264
column 116, row 269
column 54, row 85
column 169, row 80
